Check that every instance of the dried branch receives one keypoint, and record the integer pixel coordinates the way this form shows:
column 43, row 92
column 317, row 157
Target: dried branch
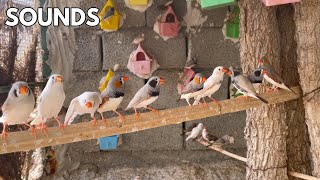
column 243, row 159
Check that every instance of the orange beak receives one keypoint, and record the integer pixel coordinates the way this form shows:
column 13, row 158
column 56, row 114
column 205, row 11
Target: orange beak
column 125, row 78
column 224, row 70
column 229, row 73
column 204, row 79
column 264, row 72
column 23, row 90
column 59, row 79
column 89, row 104
column 162, row 81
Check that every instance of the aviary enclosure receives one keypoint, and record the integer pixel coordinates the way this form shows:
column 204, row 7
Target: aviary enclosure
column 158, row 89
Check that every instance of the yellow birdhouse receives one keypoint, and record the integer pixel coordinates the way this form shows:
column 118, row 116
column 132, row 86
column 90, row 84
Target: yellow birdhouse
column 138, row 2
column 109, row 17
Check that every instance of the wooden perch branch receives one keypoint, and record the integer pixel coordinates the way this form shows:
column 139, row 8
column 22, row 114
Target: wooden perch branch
column 243, row 159
column 23, row 141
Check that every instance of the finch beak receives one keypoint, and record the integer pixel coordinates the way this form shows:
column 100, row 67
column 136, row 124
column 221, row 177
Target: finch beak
column 264, row 72
column 204, row 79
column 229, row 73
column 162, row 81
column 23, row 90
column 89, row 104
column 59, row 79
column 125, row 78
column 224, row 70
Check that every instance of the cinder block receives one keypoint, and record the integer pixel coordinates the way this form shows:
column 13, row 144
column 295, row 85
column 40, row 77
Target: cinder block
column 211, row 50
column 163, row 138
column 132, row 18
column 179, row 7
column 231, row 124
column 117, row 48
column 88, row 51
column 215, row 16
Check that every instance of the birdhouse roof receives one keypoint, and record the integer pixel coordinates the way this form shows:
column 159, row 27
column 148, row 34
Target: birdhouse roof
column 140, row 49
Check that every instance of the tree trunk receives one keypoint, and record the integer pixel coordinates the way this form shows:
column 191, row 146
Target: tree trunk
column 307, row 16
column 297, row 140
column 266, row 129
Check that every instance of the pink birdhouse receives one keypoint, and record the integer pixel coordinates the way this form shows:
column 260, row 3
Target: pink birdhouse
column 185, row 78
column 169, row 24
column 278, row 2
column 141, row 62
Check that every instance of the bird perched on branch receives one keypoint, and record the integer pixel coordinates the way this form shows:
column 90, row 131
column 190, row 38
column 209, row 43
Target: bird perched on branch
column 112, row 96
column 146, row 95
column 189, row 129
column 50, row 102
column 196, row 132
column 86, row 103
column 17, row 107
column 243, row 84
column 193, row 88
column 271, row 75
column 214, row 140
column 212, row 85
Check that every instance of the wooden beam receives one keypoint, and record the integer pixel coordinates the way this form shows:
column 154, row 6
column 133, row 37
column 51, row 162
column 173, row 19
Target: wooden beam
column 23, row 141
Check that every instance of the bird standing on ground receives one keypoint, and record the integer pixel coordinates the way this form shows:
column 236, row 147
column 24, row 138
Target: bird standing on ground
column 112, row 96
column 50, row 102
column 243, row 84
column 193, row 88
column 146, row 95
column 271, row 75
column 17, row 107
column 212, row 85
column 86, row 103
column 196, row 131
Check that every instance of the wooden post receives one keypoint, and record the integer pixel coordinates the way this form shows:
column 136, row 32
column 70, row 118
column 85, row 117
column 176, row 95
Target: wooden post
column 24, row 141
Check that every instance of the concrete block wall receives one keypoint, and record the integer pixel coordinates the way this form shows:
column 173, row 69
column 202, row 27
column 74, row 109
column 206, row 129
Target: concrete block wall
column 98, row 51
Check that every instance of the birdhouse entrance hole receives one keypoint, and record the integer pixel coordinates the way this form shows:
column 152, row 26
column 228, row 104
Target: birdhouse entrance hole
column 141, row 56
column 170, row 18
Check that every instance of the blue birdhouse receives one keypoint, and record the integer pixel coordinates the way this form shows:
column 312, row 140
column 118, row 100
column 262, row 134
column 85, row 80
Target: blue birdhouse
column 108, row 143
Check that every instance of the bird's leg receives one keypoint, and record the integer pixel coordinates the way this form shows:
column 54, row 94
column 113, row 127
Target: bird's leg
column 153, row 110
column 121, row 117
column 33, row 130
column 190, row 106
column 61, row 126
column 198, row 101
column 205, row 102
column 104, row 121
column 4, row 133
column 217, row 103
column 94, row 121
column 137, row 114
column 44, row 129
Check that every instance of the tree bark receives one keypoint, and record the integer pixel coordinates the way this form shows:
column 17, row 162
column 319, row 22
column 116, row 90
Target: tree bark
column 266, row 129
column 307, row 17
column 297, row 141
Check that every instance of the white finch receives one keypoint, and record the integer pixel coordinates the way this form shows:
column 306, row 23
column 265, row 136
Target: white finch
column 146, row 95
column 189, row 129
column 212, row 84
column 112, row 96
column 86, row 103
column 271, row 75
column 50, row 102
column 193, row 88
column 243, row 84
column 196, row 131
column 17, row 107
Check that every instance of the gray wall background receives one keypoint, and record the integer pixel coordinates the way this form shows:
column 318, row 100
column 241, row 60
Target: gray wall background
column 159, row 153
